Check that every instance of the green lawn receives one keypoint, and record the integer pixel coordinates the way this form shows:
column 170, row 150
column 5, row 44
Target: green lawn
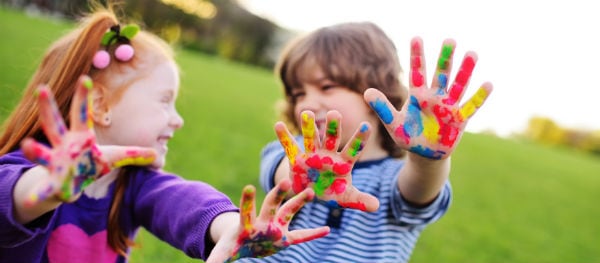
column 513, row 201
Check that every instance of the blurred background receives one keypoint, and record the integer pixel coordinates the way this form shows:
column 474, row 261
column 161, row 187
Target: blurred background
column 526, row 176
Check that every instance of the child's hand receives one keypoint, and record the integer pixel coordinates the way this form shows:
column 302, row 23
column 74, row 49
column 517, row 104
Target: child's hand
column 431, row 122
column 267, row 234
column 74, row 161
column 322, row 167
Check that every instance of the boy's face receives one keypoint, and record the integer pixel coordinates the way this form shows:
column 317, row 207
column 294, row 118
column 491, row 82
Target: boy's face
column 146, row 115
column 321, row 95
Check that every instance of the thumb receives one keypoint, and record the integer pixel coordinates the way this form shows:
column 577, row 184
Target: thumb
column 119, row 156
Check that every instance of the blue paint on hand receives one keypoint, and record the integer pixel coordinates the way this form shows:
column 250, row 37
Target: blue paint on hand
column 382, row 111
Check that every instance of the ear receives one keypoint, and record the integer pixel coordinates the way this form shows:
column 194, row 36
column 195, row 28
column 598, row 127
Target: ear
column 101, row 113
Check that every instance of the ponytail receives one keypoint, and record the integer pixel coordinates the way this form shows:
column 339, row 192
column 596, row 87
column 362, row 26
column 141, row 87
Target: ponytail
column 66, row 60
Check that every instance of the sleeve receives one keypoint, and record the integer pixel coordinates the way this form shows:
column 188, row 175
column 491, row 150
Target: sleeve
column 270, row 157
column 420, row 216
column 178, row 211
column 12, row 233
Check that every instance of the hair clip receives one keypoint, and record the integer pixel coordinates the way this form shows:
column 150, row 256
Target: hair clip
column 124, row 52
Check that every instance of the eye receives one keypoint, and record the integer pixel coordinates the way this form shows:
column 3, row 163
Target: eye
column 328, row 87
column 297, row 93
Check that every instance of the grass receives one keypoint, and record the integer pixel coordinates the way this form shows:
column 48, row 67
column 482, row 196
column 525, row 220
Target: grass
column 513, row 201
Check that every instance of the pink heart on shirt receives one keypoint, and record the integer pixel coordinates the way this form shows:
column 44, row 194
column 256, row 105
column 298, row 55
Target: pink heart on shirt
column 68, row 243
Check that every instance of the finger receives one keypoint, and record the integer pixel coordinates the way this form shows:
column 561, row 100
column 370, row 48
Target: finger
column 287, row 141
column 470, row 107
column 247, row 207
column 382, row 106
column 387, row 114
column 333, row 132
column 36, row 152
column 81, row 118
column 305, row 235
column 292, row 206
column 356, row 144
column 274, row 199
column 417, row 63
column 309, row 132
column 462, row 79
column 50, row 117
column 443, row 67
column 360, row 201
column 119, row 156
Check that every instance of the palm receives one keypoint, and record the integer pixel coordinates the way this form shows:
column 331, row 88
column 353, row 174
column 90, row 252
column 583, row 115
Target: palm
column 74, row 160
column 267, row 234
column 431, row 122
column 324, row 169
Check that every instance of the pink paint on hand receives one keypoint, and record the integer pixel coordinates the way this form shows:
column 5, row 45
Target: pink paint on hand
column 299, row 182
column 354, row 205
column 314, row 162
column 402, row 135
column 417, row 78
column 342, row 168
column 330, row 143
column 338, row 186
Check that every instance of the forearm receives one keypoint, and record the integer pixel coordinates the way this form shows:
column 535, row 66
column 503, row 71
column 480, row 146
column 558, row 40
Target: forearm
column 421, row 179
column 224, row 222
column 29, row 180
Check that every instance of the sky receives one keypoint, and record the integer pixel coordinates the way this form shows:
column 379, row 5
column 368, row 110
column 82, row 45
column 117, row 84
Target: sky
column 541, row 56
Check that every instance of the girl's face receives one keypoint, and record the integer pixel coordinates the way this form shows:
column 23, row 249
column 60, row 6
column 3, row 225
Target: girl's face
column 321, row 95
column 146, row 115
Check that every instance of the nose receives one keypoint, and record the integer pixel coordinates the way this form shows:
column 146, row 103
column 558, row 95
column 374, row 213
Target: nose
column 176, row 120
column 312, row 101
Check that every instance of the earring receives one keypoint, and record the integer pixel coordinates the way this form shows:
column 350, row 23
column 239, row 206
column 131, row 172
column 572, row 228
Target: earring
column 106, row 120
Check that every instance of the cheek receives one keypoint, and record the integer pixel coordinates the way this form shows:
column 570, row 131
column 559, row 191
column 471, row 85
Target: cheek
column 143, row 138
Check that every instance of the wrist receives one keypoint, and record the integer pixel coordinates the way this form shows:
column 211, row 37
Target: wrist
column 420, row 159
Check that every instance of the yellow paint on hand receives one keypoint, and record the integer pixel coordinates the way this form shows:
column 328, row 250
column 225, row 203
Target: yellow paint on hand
column 473, row 103
column 309, row 132
column 291, row 150
column 431, row 128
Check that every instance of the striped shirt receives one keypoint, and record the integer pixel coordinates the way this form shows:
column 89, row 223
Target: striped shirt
column 387, row 235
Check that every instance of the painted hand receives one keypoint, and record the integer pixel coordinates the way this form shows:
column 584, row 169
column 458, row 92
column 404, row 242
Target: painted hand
column 74, row 160
column 267, row 234
column 322, row 167
column 431, row 122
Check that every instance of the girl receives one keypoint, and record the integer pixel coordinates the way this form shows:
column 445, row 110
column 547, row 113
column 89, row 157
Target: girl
column 344, row 70
column 85, row 198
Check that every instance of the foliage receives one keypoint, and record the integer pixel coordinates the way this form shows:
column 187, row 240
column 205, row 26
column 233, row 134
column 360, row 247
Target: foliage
column 233, row 32
column 545, row 131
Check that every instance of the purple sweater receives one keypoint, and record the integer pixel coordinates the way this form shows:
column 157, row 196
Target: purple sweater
column 173, row 209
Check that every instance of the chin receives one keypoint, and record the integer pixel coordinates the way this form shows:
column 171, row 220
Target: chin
column 159, row 163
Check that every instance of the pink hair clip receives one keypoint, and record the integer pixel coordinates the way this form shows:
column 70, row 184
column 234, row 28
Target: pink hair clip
column 124, row 52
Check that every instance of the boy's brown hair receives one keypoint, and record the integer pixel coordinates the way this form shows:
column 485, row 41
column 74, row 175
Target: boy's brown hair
column 356, row 55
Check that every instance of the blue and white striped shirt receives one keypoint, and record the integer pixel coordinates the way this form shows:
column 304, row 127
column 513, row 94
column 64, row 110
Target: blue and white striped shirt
column 387, row 235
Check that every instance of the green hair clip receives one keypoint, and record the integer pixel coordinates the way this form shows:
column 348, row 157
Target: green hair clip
column 124, row 52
